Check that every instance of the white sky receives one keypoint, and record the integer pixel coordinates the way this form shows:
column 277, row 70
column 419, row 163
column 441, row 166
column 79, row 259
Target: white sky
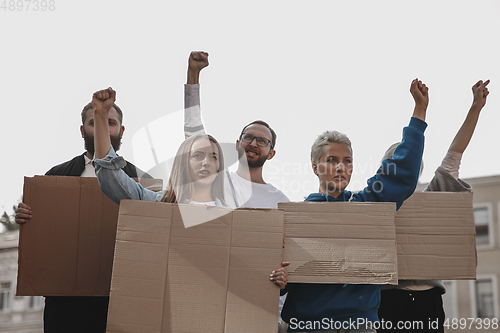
column 302, row 67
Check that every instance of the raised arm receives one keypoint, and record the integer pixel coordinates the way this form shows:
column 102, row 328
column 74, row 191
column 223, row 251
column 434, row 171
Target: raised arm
column 450, row 165
column 192, row 113
column 113, row 181
column 102, row 101
column 397, row 177
column 197, row 61
column 420, row 94
column 464, row 134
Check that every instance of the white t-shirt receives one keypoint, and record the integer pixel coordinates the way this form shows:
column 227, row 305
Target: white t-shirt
column 89, row 168
column 208, row 203
column 251, row 195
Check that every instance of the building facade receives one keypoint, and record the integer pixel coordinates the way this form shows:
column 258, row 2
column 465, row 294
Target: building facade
column 19, row 314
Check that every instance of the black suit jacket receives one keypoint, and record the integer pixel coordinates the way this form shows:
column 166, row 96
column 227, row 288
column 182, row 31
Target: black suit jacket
column 76, row 166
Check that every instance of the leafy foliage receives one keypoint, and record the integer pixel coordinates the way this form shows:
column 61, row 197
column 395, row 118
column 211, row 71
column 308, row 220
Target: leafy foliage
column 8, row 221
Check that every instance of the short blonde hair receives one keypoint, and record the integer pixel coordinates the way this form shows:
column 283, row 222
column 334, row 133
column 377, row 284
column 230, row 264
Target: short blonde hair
column 325, row 138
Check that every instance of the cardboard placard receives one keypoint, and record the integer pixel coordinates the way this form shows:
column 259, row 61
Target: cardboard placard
column 210, row 277
column 343, row 242
column 340, row 242
column 436, row 237
column 67, row 247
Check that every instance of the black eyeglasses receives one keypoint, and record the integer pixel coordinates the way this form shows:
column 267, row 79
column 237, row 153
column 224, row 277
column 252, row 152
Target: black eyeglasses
column 261, row 142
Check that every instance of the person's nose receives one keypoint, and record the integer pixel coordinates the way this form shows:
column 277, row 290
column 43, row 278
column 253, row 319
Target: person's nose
column 252, row 142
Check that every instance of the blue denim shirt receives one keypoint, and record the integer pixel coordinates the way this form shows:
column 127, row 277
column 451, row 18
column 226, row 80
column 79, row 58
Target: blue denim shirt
column 115, row 183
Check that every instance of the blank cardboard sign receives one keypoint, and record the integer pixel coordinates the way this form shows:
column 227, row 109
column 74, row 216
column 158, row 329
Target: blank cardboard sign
column 67, row 247
column 436, row 237
column 210, row 277
column 340, row 242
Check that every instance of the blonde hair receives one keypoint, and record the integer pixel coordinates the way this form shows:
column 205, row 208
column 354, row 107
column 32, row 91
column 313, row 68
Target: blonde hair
column 390, row 151
column 325, row 138
column 180, row 185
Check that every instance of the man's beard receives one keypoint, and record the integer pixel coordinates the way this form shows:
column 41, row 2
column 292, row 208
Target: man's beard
column 251, row 164
column 89, row 142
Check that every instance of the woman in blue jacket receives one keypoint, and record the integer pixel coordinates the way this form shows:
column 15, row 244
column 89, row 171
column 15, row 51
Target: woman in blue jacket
column 340, row 306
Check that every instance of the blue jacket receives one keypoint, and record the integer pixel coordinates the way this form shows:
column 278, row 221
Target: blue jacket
column 395, row 181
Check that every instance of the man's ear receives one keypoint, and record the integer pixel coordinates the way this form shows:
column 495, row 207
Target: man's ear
column 315, row 168
column 81, row 130
column 121, row 131
column 272, row 152
column 237, row 144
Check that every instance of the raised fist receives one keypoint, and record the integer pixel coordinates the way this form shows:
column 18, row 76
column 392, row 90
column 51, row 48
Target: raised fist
column 103, row 100
column 198, row 60
column 480, row 91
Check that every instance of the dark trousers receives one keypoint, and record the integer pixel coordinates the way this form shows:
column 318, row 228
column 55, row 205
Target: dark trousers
column 411, row 308
column 63, row 314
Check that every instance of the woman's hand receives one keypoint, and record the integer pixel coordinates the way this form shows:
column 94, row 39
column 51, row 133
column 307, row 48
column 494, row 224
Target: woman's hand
column 280, row 276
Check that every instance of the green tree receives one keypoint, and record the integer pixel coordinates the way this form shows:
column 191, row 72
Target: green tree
column 9, row 221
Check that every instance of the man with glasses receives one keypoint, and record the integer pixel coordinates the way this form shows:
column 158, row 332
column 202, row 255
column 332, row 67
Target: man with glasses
column 245, row 187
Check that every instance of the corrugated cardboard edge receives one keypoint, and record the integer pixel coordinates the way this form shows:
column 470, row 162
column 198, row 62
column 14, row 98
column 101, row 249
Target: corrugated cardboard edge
column 319, row 269
column 21, row 280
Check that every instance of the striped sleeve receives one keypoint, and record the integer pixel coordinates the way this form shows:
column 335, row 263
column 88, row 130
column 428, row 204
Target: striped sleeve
column 193, row 123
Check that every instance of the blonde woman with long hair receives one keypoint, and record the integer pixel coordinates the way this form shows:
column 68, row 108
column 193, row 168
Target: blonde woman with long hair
column 195, row 176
